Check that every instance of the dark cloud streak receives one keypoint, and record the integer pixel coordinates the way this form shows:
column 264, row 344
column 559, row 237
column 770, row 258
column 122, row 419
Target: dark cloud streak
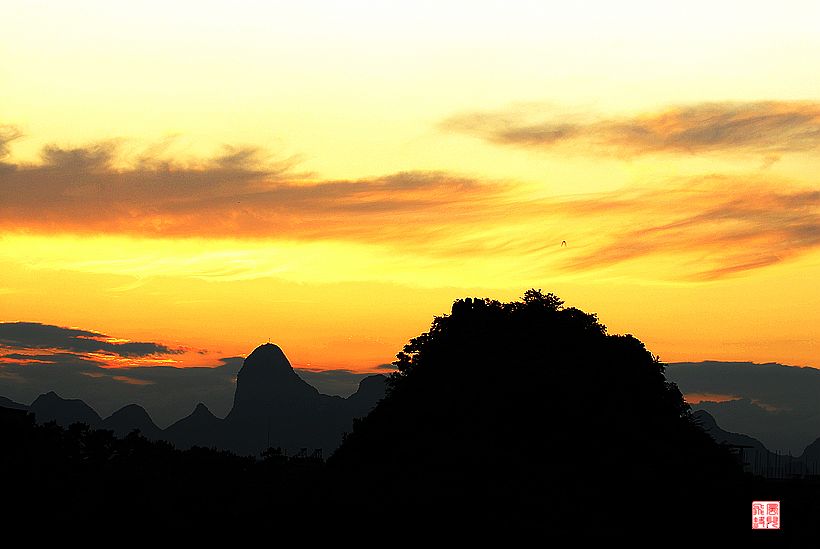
column 33, row 335
column 767, row 127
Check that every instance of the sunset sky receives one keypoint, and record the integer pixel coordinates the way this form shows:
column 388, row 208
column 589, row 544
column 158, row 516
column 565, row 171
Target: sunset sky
column 201, row 177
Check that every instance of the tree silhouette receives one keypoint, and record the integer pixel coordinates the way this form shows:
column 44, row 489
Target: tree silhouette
column 525, row 411
column 55, row 475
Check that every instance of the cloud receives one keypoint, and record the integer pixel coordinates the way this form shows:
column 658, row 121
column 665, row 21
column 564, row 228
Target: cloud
column 233, row 195
column 76, row 362
column 704, row 228
column 7, row 135
column 131, row 380
column 768, row 127
column 232, row 364
column 774, row 403
column 339, row 382
column 33, row 335
column 728, row 225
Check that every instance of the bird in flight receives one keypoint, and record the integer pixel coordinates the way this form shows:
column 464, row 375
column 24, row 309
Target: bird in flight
column 563, row 243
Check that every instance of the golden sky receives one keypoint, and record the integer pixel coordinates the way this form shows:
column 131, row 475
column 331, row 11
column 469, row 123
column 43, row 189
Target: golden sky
column 208, row 175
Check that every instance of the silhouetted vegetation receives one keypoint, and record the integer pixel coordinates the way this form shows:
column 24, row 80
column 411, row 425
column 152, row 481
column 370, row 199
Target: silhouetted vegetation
column 529, row 413
column 502, row 417
column 56, row 474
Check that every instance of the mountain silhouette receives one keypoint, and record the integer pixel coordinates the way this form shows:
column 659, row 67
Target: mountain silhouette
column 51, row 407
column 8, row 403
column 267, row 380
column 756, row 457
column 811, row 457
column 273, row 406
column 371, row 390
column 708, row 423
column 129, row 418
column 200, row 428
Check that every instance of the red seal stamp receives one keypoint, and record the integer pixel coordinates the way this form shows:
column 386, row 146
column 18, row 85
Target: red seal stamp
column 765, row 515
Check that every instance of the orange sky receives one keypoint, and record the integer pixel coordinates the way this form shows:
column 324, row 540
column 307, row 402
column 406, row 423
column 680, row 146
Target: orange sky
column 209, row 176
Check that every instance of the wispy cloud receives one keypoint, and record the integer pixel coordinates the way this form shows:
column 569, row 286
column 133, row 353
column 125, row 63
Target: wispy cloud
column 233, row 195
column 769, row 127
column 7, row 135
column 702, row 227
column 729, row 225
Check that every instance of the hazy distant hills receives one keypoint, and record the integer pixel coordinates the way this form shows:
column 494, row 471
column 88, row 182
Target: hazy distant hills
column 708, row 423
column 753, row 452
column 775, row 403
column 273, row 406
column 8, row 403
column 759, row 459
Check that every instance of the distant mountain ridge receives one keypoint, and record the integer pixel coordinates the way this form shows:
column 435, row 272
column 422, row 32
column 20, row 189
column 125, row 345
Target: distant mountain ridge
column 8, row 403
column 273, row 406
column 757, row 458
column 775, row 403
column 708, row 424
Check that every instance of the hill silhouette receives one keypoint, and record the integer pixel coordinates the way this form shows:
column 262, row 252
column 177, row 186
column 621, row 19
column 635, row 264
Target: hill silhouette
column 811, row 457
column 8, row 403
column 503, row 417
column 52, row 407
column 775, row 403
column 273, row 407
column 751, row 451
column 507, row 413
column 199, row 428
column 129, row 418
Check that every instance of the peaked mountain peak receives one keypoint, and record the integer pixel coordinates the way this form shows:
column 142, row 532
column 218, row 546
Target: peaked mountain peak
column 129, row 418
column 131, row 409
column 267, row 367
column 267, row 380
column 267, row 355
column 201, row 409
column 131, row 413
